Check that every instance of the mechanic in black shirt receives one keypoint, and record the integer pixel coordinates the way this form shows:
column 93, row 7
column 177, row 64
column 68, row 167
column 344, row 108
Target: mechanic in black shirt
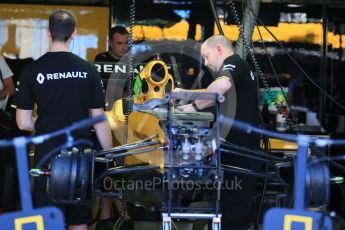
column 234, row 80
column 118, row 45
column 65, row 89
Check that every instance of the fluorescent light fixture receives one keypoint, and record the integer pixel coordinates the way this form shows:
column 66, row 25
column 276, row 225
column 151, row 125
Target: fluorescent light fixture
column 172, row 2
column 294, row 5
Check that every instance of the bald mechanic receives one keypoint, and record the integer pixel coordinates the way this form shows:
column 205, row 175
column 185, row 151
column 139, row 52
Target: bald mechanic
column 232, row 75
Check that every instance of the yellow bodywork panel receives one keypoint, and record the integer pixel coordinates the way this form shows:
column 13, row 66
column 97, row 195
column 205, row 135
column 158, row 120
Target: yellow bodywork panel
column 278, row 144
column 140, row 126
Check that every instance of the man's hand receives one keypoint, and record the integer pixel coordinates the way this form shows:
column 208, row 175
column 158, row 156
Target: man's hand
column 186, row 108
column 177, row 90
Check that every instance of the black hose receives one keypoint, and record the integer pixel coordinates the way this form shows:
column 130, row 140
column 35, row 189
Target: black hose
column 213, row 8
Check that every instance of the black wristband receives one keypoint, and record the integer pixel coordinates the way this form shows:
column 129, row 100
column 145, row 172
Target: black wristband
column 195, row 106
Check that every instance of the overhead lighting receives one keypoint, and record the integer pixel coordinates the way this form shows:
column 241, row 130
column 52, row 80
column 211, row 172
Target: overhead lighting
column 174, row 2
column 294, row 5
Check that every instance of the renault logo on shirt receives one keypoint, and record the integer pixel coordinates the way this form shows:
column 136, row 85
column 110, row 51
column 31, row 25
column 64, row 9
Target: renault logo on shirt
column 40, row 78
column 57, row 76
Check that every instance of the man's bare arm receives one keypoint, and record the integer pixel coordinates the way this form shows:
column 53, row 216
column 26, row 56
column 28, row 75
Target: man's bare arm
column 102, row 129
column 220, row 86
column 189, row 90
column 24, row 120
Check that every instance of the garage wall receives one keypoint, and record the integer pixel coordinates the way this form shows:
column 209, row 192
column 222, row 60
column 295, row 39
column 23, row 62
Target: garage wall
column 23, row 29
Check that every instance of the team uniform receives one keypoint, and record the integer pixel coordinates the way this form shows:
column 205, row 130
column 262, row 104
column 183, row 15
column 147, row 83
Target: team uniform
column 105, row 57
column 64, row 87
column 242, row 104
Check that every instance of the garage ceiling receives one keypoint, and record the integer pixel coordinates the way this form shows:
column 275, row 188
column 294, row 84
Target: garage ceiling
column 331, row 3
column 313, row 7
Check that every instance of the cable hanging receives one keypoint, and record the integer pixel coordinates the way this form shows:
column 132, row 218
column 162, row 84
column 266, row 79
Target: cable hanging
column 315, row 150
column 290, row 122
column 129, row 99
column 298, row 66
